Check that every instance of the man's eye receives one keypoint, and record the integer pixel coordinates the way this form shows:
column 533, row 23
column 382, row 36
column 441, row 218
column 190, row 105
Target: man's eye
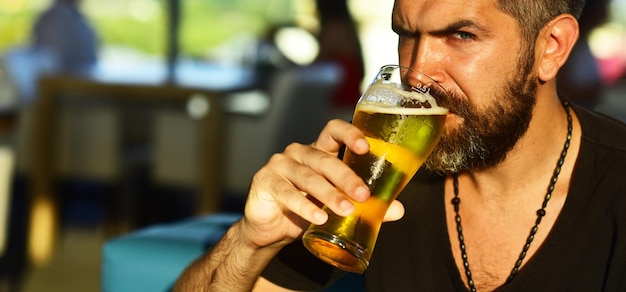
column 465, row 36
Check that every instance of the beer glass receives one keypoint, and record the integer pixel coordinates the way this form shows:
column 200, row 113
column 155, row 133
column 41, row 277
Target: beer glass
column 402, row 122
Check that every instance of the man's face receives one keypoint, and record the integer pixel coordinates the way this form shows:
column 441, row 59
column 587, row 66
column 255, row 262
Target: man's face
column 472, row 49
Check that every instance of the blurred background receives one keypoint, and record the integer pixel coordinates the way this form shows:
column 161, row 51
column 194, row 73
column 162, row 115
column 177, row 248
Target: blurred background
column 120, row 114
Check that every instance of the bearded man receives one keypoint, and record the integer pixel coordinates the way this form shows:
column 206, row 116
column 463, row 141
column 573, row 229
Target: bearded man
column 537, row 181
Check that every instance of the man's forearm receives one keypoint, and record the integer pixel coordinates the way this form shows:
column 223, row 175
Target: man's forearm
column 232, row 265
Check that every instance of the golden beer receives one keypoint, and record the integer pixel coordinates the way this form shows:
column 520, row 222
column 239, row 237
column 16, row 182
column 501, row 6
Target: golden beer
column 400, row 139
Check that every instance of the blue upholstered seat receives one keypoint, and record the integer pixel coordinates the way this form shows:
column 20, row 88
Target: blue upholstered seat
column 152, row 259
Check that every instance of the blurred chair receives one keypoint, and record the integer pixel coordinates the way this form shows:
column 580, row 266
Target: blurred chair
column 186, row 155
column 255, row 124
column 299, row 107
column 97, row 94
column 153, row 258
column 84, row 127
column 173, row 157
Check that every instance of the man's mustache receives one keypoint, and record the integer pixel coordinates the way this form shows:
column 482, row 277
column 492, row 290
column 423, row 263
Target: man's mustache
column 455, row 104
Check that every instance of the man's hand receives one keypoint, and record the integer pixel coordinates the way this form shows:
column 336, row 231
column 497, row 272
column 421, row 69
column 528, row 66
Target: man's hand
column 287, row 194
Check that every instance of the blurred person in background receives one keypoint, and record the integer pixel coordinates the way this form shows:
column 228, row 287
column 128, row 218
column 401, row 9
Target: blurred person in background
column 580, row 79
column 64, row 31
column 339, row 42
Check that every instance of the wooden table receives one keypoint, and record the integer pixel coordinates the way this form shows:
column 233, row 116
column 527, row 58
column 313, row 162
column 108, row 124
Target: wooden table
column 44, row 204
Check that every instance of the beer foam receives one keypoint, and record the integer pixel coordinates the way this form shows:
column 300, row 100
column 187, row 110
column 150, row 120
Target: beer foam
column 378, row 93
column 377, row 108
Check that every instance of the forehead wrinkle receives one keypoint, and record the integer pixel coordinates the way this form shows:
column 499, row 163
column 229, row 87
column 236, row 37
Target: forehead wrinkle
column 425, row 15
column 456, row 15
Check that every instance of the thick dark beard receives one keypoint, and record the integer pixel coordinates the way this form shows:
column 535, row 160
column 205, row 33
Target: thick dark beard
column 484, row 139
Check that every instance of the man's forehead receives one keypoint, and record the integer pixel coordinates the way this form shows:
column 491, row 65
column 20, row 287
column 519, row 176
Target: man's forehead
column 414, row 14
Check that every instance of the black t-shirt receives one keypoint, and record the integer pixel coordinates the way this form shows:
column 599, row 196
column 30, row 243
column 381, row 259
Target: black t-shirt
column 585, row 251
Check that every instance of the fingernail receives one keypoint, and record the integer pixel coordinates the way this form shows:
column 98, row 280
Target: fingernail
column 361, row 193
column 346, row 205
column 319, row 217
column 362, row 144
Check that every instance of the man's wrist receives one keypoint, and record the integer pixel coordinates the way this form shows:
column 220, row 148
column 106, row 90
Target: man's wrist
column 252, row 238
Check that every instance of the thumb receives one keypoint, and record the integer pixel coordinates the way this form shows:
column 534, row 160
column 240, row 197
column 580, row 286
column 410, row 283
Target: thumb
column 395, row 211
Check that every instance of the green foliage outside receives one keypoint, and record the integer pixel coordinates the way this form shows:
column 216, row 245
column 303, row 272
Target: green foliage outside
column 142, row 24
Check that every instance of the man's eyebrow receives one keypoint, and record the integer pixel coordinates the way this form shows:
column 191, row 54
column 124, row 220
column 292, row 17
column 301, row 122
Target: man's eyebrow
column 398, row 29
column 459, row 25
column 451, row 28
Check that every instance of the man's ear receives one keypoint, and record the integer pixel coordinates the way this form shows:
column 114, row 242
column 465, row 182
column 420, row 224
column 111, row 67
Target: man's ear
column 554, row 45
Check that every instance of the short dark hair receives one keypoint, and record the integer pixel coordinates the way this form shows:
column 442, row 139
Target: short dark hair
column 533, row 15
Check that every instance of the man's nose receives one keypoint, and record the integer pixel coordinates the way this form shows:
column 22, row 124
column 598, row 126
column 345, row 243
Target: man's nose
column 425, row 58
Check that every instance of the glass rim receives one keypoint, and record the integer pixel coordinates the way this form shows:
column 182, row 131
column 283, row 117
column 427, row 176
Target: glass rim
column 402, row 67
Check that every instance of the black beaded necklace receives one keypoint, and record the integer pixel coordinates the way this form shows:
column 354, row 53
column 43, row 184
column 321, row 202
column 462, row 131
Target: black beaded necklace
column 456, row 201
